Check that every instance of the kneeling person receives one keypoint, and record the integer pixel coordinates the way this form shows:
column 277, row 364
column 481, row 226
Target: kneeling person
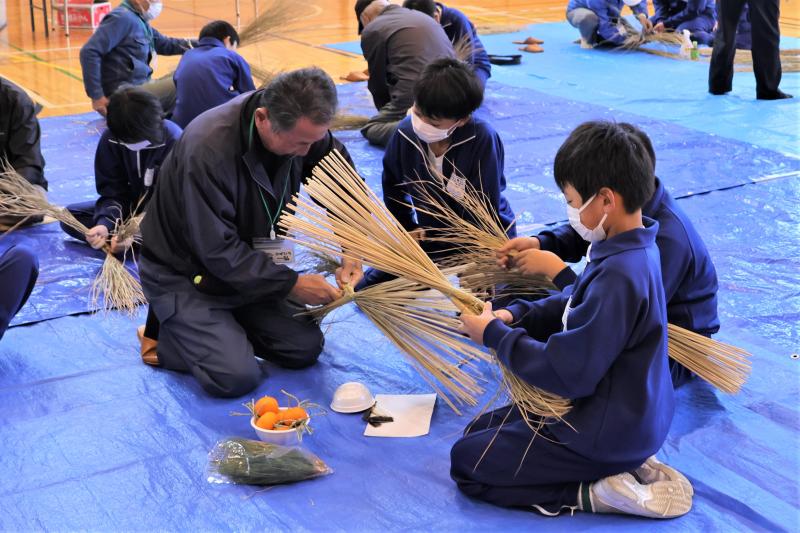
column 441, row 139
column 126, row 165
column 210, row 263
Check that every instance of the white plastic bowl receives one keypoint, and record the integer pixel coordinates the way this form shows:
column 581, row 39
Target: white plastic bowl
column 289, row 437
column 352, row 397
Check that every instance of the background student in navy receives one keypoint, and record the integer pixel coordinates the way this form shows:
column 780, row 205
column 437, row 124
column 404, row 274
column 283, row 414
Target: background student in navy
column 697, row 16
column 219, row 296
column 603, row 346
column 123, row 50
column 210, row 74
column 457, row 27
column 690, row 279
column 126, row 165
column 442, row 132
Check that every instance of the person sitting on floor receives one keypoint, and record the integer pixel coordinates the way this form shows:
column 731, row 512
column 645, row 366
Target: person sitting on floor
column 19, row 143
column 603, row 346
column 397, row 44
column 123, row 50
column 441, row 132
column 19, row 269
column 690, row 279
column 214, row 266
column 598, row 20
column 697, row 16
column 126, row 165
column 211, row 73
column 458, row 28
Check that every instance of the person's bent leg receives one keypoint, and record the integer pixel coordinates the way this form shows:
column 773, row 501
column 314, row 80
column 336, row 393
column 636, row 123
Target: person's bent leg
column 380, row 128
column 83, row 213
column 279, row 335
column 586, row 21
column 198, row 333
column 19, row 269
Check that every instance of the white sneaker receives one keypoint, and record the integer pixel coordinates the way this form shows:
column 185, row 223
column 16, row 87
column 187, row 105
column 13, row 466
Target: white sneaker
column 586, row 45
column 654, row 470
column 623, row 494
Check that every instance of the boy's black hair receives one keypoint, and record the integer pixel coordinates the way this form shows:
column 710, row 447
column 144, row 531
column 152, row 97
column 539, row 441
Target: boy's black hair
column 601, row 154
column 134, row 115
column 642, row 136
column 426, row 6
column 448, row 89
column 219, row 29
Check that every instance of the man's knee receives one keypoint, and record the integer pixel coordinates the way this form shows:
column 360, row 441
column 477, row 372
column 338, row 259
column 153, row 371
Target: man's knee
column 21, row 263
column 302, row 351
column 229, row 383
column 379, row 133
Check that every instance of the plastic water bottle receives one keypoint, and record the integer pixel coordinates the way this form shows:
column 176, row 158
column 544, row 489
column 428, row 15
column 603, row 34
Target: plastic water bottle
column 695, row 52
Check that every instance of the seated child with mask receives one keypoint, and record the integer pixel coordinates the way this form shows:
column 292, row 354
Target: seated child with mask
column 441, row 132
column 126, row 165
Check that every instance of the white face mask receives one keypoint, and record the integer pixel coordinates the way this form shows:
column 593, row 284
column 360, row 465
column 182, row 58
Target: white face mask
column 426, row 132
column 136, row 147
column 153, row 11
column 592, row 235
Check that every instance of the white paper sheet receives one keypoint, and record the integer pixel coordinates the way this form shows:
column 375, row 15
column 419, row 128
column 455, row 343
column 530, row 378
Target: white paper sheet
column 411, row 412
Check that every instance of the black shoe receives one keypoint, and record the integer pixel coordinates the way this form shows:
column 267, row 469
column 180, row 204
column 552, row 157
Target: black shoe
column 777, row 95
column 718, row 92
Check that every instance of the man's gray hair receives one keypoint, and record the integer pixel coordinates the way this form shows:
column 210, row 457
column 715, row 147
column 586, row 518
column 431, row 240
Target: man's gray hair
column 306, row 92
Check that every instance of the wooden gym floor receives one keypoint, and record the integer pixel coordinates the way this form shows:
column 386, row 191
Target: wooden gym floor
column 49, row 68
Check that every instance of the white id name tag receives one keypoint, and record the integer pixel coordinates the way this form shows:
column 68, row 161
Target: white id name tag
column 148, row 177
column 456, row 186
column 280, row 251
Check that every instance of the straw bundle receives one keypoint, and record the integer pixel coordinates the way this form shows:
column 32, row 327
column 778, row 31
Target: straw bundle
column 354, row 223
column 21, row 199
column 724, row 366
column 276, row 16
column 347, row 121
column 636, row 39
column 489, row 28
column 423, row 324
column 474, row 240
column 264, row 75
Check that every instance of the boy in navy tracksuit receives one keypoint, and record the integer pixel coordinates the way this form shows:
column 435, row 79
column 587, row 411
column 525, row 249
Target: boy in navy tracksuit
column 19, row 269
column 126, row 165
column 690, row 279
column 457, row 27
column 210, row 74
column 603, row 346
column 598, row 20
column 697, row 16
column 441, row 132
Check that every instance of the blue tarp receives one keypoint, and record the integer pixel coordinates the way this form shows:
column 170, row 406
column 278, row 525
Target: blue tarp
column 94, row 440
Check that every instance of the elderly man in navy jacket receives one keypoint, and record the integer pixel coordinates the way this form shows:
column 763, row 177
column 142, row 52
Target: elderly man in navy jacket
column 124, row 49
column 214, row 265
column 397, row 44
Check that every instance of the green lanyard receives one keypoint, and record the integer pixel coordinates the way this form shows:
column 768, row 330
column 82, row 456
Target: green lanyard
column 272, row 219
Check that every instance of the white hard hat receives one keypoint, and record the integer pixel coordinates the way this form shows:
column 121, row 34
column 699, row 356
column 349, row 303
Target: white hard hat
column 352, row 397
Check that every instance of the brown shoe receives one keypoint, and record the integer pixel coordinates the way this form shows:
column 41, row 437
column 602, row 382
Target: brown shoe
column 148, row 348
column 533, row 48
column 530, row 40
